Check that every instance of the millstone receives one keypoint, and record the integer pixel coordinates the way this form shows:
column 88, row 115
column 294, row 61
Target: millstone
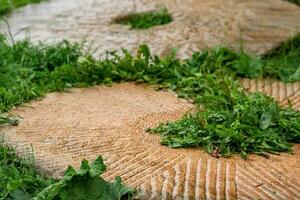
column 197, row 24
column 64, row 128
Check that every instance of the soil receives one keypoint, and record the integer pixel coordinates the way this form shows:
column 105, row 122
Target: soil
column 198, row 24
column 64, row 128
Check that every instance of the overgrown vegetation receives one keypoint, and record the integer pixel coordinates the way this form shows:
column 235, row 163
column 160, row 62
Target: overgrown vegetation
column 18, row 177
column 145, row 20
column 19, row 180
column 231, row 121
column 7, row 6
column 283, row 62
column 86, row 184
column 28, row 71
column 227, row 120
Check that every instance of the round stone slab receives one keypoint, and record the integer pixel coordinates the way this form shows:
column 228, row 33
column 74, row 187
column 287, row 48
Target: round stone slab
column 64, row 128
column 197, row 24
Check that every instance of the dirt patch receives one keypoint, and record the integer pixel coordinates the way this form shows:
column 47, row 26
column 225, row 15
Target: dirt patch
column 64, row 128
column 197, row 24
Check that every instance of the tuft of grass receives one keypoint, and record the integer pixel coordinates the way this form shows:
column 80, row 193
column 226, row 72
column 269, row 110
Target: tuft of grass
column 283, row 62
column 6, row 6
column 20, row 180
column 18, row 177
column 145, row 20
column 227, row 121
column 25, row 70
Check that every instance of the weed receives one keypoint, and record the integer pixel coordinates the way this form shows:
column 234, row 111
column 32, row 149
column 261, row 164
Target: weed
column 25, row 70
column 227, row 120
column 283, row 62
column 236, row 122
column 18, row 177
column 145, row 20
column 20, row 180
column 86, row 183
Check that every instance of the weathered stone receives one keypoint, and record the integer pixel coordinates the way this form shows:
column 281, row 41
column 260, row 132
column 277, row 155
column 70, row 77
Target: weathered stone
column 64, row 128
column 197, row 24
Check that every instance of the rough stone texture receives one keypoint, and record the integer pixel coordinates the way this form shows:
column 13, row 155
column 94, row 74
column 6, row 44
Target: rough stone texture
column 64, row 128
column 197, row 24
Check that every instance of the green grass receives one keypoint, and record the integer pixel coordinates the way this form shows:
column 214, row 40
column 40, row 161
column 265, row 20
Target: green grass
column 18, row 177
column 7, row 6
column 226, row 120
column 283, row 62
column 28, row 71
column 232, row 121
column 145, row 20
column 19, row 180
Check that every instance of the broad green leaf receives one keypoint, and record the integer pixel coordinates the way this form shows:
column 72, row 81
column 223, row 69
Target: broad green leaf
column 86, row 185
column 97, row 167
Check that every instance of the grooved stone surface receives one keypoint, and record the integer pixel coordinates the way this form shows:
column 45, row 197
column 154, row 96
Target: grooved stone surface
column 64, row 128
column 197, row 24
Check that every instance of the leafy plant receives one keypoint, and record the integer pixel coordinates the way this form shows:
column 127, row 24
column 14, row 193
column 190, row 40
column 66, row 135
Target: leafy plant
column 24, row 70
column 145, row 20
column 20, row 181
column 283, row 62
column 86, row 184
column 18, row 177
column 250, row 124
column 236, row 121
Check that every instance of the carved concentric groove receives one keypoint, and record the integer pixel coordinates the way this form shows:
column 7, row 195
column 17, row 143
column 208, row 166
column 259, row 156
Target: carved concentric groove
column 197, row 24
column 67, row 127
